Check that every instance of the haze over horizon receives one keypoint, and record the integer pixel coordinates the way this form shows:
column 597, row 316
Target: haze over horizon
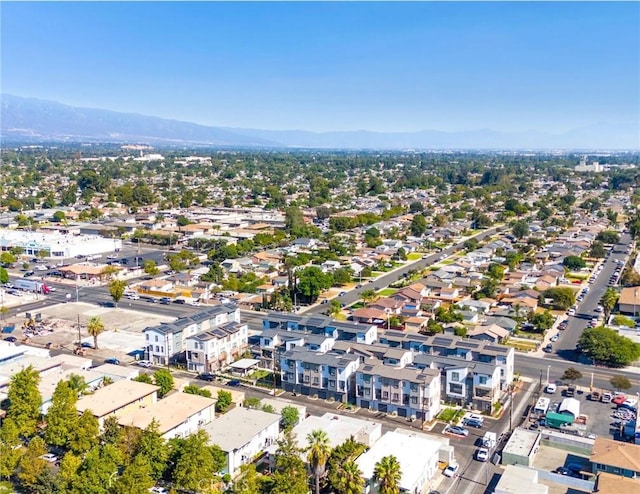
column 386, row 67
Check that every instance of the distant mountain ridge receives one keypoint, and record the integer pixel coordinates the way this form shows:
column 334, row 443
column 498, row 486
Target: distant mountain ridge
column 31, row 119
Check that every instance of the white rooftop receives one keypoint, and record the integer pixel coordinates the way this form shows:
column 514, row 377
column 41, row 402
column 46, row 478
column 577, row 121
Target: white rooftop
column 413, row 453
column 515, row 477
column 245, row 363
column 339, row 428
column 238, row 427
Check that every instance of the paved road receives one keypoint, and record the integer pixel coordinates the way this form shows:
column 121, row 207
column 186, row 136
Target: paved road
column 565, row 346
column 385, row 280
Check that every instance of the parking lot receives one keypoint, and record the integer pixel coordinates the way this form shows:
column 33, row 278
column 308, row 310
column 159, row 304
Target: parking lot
column 599, row 416
column 123, row 327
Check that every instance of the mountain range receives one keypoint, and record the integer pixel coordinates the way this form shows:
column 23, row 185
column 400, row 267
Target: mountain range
column 36, row 120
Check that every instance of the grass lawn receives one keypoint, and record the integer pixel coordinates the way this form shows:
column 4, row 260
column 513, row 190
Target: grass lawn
column 414, row 256
column 260, row 374
column 448, row 261
column 387, row 292
column 523, row 346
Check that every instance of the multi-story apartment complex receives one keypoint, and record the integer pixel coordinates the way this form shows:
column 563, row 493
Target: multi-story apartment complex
column 340, row 330
column 327, row 375
column 409, row 392
column 398, row 374
column 211, row 350
column 167, row 341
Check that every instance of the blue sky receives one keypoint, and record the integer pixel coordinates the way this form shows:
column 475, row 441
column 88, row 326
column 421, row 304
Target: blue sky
column 333, row 66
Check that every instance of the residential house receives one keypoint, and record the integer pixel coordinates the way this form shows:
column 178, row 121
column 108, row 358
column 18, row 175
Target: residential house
column 243, row 434
column 615, row 457
column 118, row 399
column 629, row 301
column 491, row 332
column 177, row 415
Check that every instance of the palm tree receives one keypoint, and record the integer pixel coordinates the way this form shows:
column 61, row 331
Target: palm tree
column 351, row 481
column 77, row 383
column 318, row 454
column 609, row 301
column 387, row 474
column 94, row 328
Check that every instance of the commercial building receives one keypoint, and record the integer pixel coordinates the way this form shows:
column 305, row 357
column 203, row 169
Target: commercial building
column 57, row 245
column 339, row 428
column 514, row 477
column 521, row 448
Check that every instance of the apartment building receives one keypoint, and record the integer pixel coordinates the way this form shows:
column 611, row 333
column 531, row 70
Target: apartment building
column 211, row 350
column 409, row 392
column 327, row 375
column 167, row 342
column 340, row 330
column 455, row 351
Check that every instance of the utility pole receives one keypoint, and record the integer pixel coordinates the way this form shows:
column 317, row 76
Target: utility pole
column 510, row 407
column 79, row 336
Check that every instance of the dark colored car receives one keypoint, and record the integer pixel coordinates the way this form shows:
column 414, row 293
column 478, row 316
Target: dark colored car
column 234, row 383
column 165, row 300
column 112, row 360
column 207, row 377
column 563, row 471
column 548, row 348
column 11, row 339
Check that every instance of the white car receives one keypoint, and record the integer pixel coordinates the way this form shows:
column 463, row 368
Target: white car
column 571, row 312
column 482, row 454
column 554, row 338
column 551, row 388
column 144, row 363
column 451, row 470
column 50, row 457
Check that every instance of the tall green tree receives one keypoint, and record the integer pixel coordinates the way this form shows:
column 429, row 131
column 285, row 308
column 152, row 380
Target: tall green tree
column 350, row 478
column 289, row 417
column 418, row 225
column 606, row 346
column 195, row 464
column 608, row 301
column 224, row 401
column 10, row 451
column 95, row 327
column 387, row 474
column 62, row 416
column 135, row 479
column 25, row 400
column 116, row 290
column 318, row 454
column 85, row 435
column 164, row 379
column 99, row 470
column 78, row 384
column 31, row 465
column 154, row 449
column 312, row 281
column 290, row 476
column 68, row 473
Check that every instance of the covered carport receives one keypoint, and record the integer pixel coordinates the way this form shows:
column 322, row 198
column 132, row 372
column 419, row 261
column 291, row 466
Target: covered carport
column 244, row 366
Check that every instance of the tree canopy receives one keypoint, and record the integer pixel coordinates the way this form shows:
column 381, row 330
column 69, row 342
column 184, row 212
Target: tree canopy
column 606, row 346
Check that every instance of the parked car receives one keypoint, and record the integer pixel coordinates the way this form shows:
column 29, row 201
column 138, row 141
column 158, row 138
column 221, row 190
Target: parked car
column 562, row 471
column 482, row 454
column 451, row 470
column 554, row 338
column 50, row 457
column 144, row 363
column 112, row 360
column 456, row 429
column 551, row 388
column 207, row 377
column 11, row 339
column 29, row 274
column 234, row 383
column 619, row 399
column 548, row 348
column 469, row 422
column 165, row 300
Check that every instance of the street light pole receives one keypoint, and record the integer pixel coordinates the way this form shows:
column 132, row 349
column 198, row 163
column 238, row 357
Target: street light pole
column 548, row 368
